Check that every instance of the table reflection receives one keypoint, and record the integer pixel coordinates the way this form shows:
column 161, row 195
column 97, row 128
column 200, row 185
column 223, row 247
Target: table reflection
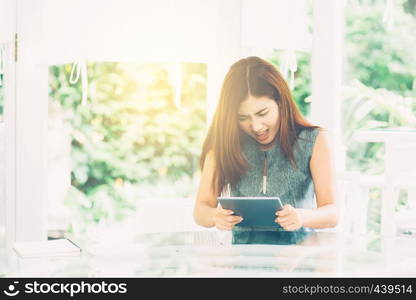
column 211, row 254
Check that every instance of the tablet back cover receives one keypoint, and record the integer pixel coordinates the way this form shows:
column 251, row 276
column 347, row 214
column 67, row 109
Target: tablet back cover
column 256, row 211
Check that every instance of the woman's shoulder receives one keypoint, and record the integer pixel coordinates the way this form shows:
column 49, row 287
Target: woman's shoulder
column 306, row 141
column 309, row 134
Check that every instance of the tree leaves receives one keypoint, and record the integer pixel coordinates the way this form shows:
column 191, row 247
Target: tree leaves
column 130, row 133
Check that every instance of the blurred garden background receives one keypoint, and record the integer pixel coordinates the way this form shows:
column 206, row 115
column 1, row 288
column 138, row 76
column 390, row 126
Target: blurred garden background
column 139, row 134
column 138, row 137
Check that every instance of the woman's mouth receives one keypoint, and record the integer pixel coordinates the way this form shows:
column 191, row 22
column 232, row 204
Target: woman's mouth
column 262, row 136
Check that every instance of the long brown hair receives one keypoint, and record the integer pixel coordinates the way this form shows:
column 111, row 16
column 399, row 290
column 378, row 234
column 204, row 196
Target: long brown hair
column 251, row 76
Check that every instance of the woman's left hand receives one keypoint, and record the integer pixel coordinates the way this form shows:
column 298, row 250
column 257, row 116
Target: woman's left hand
column 289, row 218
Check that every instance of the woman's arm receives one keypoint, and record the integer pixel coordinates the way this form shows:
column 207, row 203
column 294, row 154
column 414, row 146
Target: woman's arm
column 206, row 200
column 326, row 213
column 207, row 213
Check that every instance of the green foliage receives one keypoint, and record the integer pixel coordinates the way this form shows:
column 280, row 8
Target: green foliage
column 377, row 56
column 381, row 67
column 131, row 133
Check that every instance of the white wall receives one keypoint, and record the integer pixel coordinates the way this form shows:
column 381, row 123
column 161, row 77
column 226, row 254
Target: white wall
column 7, row 139
column 127, row 30
column 271, row 24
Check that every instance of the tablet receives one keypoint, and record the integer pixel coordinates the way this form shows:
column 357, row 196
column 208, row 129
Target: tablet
column 256, row 211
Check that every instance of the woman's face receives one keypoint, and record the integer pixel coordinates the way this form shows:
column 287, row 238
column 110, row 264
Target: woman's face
column 258, row 118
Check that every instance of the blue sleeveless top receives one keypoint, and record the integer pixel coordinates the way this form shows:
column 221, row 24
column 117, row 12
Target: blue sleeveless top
column 292, row 184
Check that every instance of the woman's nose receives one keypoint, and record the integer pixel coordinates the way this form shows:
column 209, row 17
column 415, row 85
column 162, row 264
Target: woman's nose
column 256, row 125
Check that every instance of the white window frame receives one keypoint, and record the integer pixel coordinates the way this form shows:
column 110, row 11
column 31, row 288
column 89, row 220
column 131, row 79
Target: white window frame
column 326, row 74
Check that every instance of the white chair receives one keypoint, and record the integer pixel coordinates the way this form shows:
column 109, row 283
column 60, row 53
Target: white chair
column 399, row 173
column 2, row 186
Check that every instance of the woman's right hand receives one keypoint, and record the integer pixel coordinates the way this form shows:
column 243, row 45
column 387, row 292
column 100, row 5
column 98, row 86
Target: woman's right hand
column 224, row 219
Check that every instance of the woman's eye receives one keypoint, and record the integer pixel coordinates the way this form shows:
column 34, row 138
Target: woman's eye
column 242, row 119
column 263, row 114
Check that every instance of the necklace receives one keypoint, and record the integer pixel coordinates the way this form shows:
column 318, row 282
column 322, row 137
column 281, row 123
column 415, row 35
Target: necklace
column 265, row 173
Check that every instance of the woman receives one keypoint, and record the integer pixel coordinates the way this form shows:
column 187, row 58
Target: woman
column 260, row 145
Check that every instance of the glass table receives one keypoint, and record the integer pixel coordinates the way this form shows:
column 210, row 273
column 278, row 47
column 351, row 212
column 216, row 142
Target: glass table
column 210, row 253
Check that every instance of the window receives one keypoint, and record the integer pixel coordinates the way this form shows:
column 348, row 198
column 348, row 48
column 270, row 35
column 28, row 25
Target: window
column 379, row 94
column 132, row 148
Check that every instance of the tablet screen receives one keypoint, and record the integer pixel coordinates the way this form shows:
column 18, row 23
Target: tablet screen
column 256, row 211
